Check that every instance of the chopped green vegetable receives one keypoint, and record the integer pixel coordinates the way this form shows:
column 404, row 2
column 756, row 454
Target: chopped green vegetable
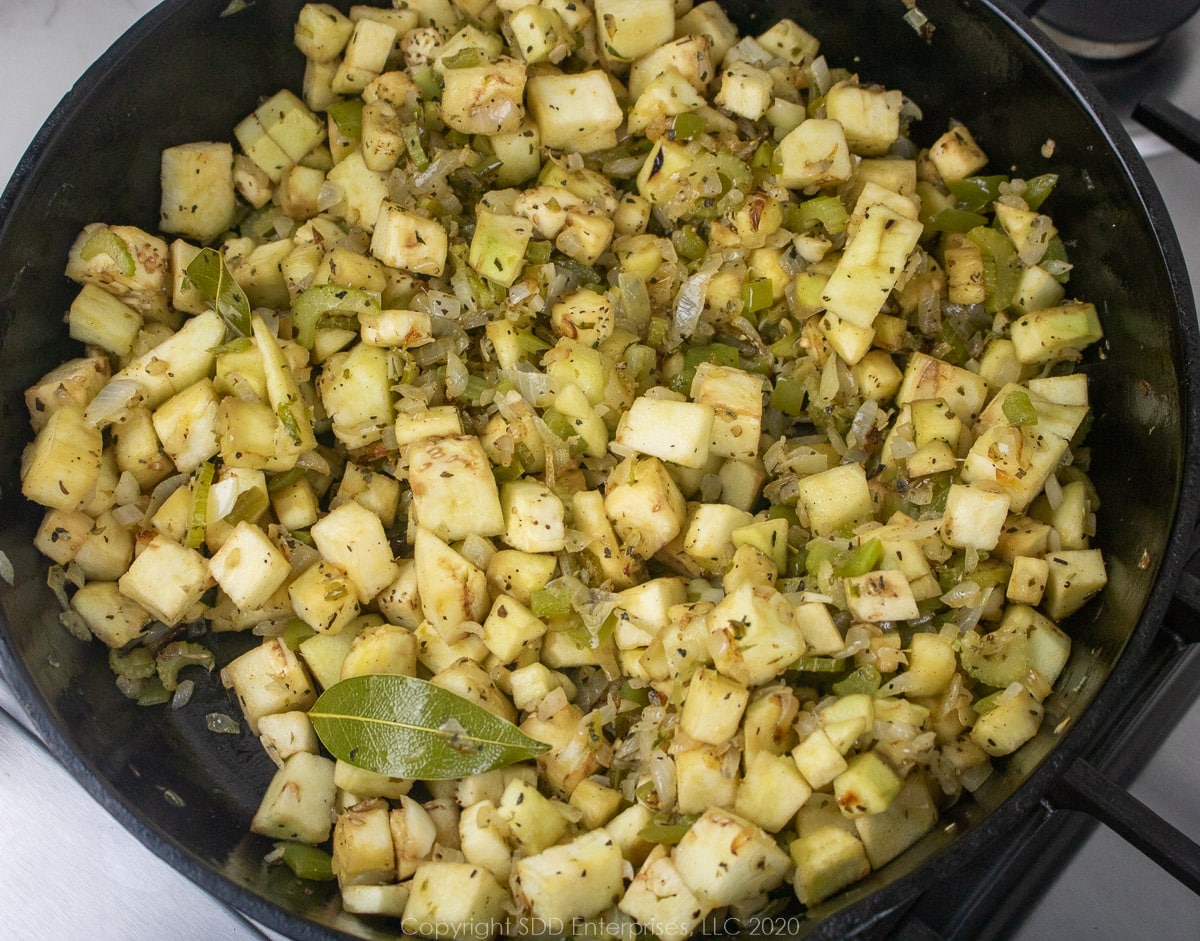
column 1038, row 188
column 104, row 241
column 177, row 655
column 863, row 558
column 198, row 518
column 757, row 295
column 974, row 194
column 1018, row 409
column 789, row 396
column 825, row 211
column 306, row 862
column 688, row 125
column 956, row 220
column 866, row 679
column 325, row 300
column 717, row 354
column 1002, row 267
column 347, row 115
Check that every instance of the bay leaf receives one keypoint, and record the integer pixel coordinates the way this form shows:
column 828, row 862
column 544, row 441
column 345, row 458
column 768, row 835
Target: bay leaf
column 406, row 727
column 209, row 274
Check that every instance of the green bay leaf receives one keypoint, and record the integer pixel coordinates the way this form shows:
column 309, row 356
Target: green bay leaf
column 209, row 274
column 406, row 727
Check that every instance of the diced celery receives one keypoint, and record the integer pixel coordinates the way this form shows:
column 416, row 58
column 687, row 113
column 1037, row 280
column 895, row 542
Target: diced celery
column 826, row 211
column 819, row 665
column 106, row 242
column 295, row 632
column 177, row 655
column 538, row 252
column 411, row 135
column 550, row 602
column 866, row 679
column 307, row 862
column 861, row 559
column 468, row 57
column 323, row 300
column 1018, row 409
column 198, row 519
column 665, row 832
column 428, row 83
column 757, row 295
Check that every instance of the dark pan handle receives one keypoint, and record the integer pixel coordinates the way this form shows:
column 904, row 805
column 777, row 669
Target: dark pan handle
column 1084, row 788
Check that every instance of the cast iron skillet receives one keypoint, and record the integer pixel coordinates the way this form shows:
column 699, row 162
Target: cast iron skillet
column 187, row 73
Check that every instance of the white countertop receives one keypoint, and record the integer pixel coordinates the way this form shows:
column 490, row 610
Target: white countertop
column 71, row 872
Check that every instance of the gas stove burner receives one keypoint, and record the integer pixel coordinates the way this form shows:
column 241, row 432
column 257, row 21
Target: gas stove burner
column 1097, row 50
column 1110, row 29
column 1131, row 50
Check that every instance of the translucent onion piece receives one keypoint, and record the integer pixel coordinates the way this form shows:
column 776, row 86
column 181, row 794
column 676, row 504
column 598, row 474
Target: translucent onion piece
column 662, row 773
column 75, row 625
column 456, row 376
column 221, row 724
column 529, row 382
column 329, row 196
column 689, row 302
column 111, row 400
column 222, row 496
column 1054, row 492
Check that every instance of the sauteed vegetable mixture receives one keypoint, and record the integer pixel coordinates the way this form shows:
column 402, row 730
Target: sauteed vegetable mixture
column 668, row 474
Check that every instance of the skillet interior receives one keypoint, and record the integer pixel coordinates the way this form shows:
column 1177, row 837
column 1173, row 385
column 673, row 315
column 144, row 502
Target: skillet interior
column 185, row 73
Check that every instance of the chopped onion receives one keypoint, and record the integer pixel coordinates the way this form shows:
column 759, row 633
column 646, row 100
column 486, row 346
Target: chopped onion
column 183, row 694
column 972, row 779
column 438, row 304
column 75, row 624
column 1054, row 492
column 128, row 515
column 329, row 196
column 1041, row 231
column 456, row 376
column 313, row 461
column 163, row 490
column 689, row 301
column 662, row 773
column 439, row 168
column 116, row 396
column 222, row 496
column 635, row 300
column 864, row 422
column 623, row 167
column 221, row 724
column 962, row 594
column 521, row 292
column 821, row 76
column 128, row 490
column 529, row 382
column 929, row 311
